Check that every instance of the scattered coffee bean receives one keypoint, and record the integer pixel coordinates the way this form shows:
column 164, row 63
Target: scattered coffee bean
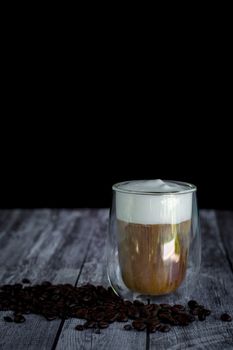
column 50, row 317
column 103, row 324
column 138, row 303
column 19, row 319
column 165, row 306
column 89, row 324
column 46, row 283
column 26, row 281
column 191, row 318
column 206, row 312
column 128, row 327
column 122, row 318
column 164, row 328
column 165, row 317
column 79, row 327
column 201, row 316
column 226, row 317
column 99, row 316
column 192, row 304
column 201, row 307
column 179, row 307
column 138, row 325
column 195, row 311
column 112, row 317
column 98, row 306
column 151, row 328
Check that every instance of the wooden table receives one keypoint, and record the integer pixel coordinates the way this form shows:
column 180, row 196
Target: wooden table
column 67, row 246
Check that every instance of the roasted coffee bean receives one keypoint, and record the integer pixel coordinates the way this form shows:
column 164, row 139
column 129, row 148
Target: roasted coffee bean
column 152, row 322
column 89, row 324
column 50, row 317
column 111, row 317
column 133, row 313
column 195, row 311
column 128, row 327
column 145, row 312
column 174, row 322
column 151, row 328
column 99, row 316
column 128, row 303
column 206, row 312
column 97, row 305
column 138, row 325
column 182, row 320
column 154, row 313
column 46, row 283
column 17, row 286
column 26, row 311
column 192, row 304
column 179, row 307
column 19, row 319
column 122, row 318
column 79, row 327
column 226, row 317
column 201, row 316
column 138, row 303
column 191, row 318
column 165, row 317
column 165, row 306
column 81, row 313
column 26, row 281
column 87, row 298
column 164, row 328
column 149, row 307
column 103, row 324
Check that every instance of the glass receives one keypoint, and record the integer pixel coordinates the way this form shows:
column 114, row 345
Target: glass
column 154, row 243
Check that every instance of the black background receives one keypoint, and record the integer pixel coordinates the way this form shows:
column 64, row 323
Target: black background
column 80, row 115
column 73, row 163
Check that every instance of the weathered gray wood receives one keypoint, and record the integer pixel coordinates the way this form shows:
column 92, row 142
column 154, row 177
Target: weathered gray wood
column 114, row 338
column 225, row 221
column 214, row 290
column 40, row 245
column 62, row 245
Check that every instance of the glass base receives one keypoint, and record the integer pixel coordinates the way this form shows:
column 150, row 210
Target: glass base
column 181, row 295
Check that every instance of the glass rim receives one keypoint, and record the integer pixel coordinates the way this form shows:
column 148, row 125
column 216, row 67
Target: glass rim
column 190, row 188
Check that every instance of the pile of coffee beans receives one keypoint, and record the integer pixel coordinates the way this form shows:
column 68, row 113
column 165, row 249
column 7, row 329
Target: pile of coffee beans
column 98, row 306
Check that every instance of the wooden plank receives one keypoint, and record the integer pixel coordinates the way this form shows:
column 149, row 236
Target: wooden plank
column 46, row 244
column 94, row 271
column 57, row 257
column 225, row 223
column 214, row 290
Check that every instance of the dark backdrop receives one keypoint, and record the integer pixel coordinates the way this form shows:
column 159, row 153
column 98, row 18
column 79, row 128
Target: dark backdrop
column 81, row 112
column 74, row 163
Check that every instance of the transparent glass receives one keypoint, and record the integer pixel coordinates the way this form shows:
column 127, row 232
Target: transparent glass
column 154, row 242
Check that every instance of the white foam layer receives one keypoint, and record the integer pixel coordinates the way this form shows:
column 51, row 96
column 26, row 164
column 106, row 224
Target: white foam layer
column 153, row 209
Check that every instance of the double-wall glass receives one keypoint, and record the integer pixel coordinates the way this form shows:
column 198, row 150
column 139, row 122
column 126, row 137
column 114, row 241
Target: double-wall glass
column 154, row 243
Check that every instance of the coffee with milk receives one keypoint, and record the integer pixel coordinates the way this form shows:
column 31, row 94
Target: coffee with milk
column 153, row 229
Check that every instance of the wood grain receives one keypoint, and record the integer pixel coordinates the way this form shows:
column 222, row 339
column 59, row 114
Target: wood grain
column 41, row 245
column 214, row 290
column 114, row 337
column 68, row 246
column 225, row 223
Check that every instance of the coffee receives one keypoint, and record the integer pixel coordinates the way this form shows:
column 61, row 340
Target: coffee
column 153, row 228
column 153, row 258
